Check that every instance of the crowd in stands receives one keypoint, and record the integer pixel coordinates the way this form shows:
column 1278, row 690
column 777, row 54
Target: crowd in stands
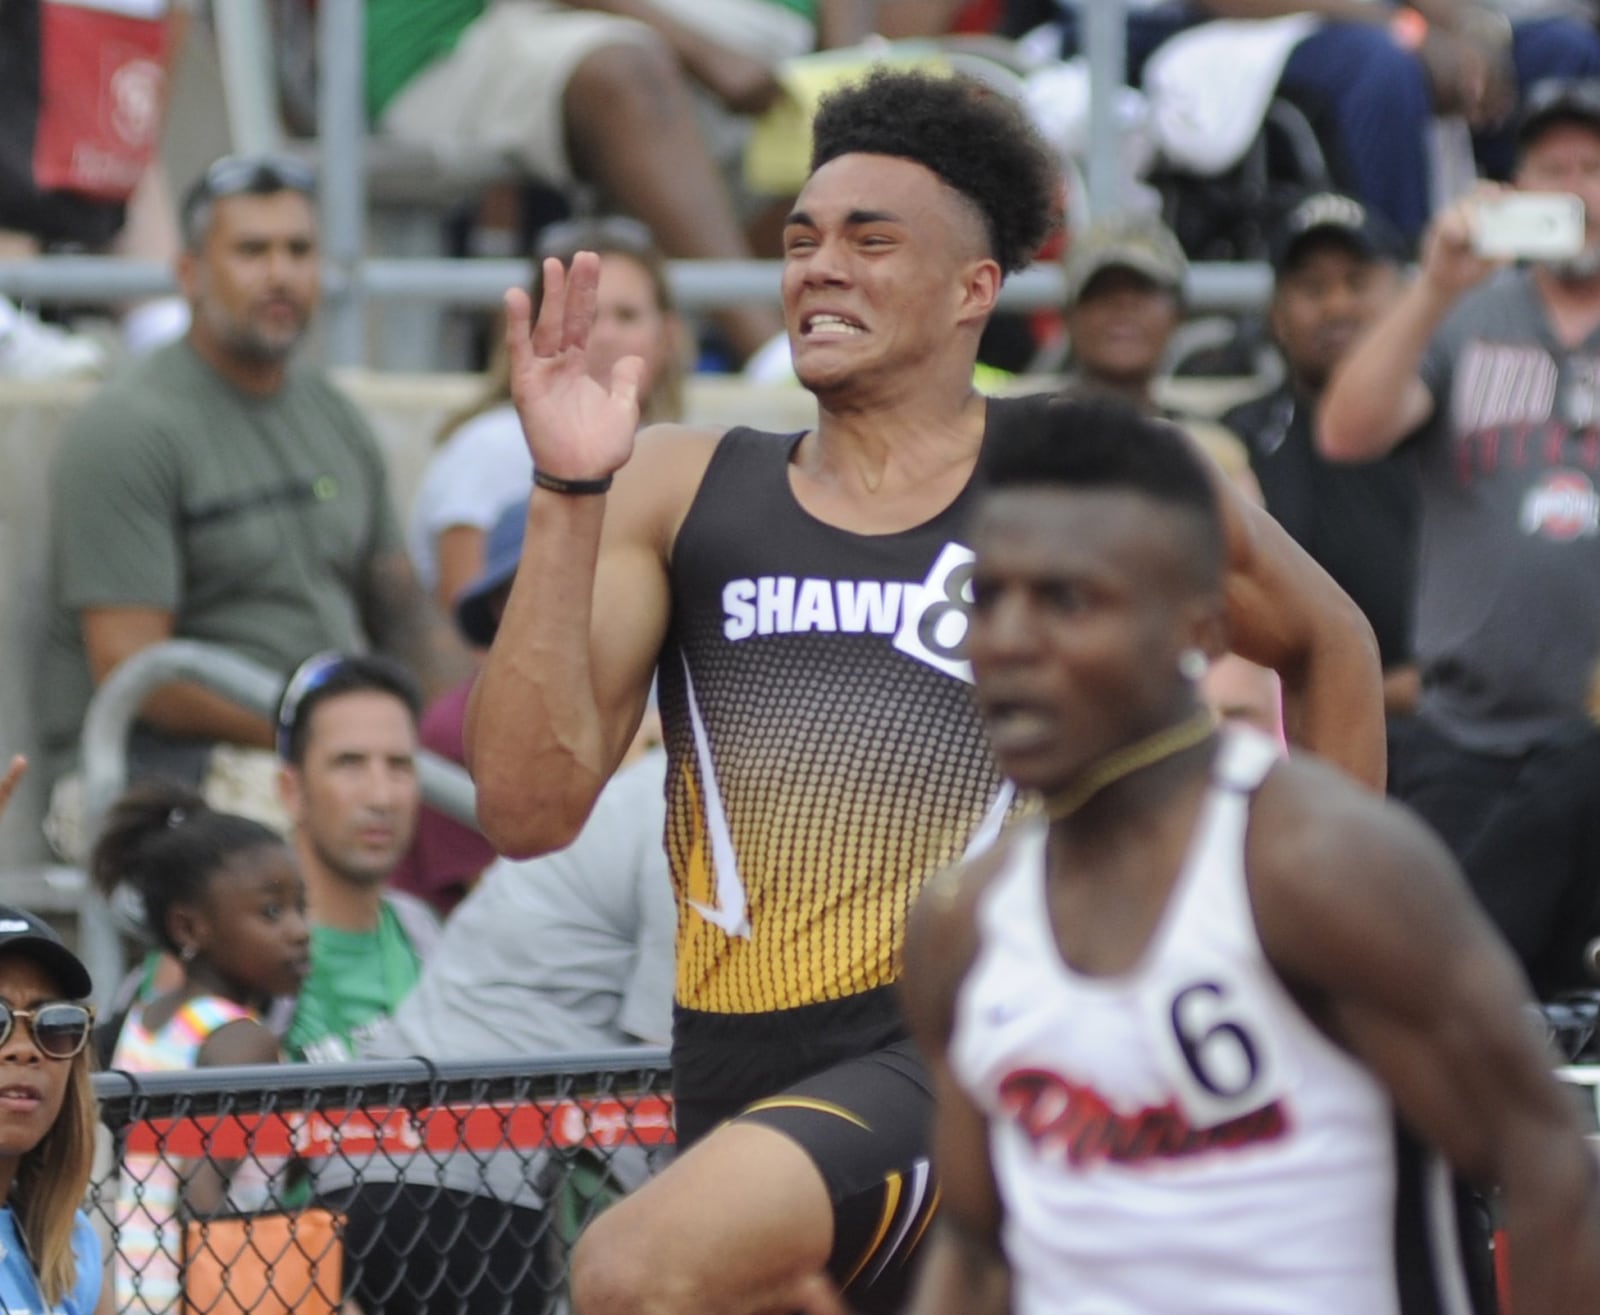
column 1430, row 436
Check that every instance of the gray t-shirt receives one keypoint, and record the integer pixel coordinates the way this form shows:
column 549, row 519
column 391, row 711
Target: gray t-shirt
column 1508, row 595
column 253, row 520
column 569, row 952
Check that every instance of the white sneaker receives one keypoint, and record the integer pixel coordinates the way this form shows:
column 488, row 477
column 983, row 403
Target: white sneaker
column 32, row 349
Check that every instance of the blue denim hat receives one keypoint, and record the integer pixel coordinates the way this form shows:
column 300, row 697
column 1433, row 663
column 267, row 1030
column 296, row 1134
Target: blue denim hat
column 502, row 551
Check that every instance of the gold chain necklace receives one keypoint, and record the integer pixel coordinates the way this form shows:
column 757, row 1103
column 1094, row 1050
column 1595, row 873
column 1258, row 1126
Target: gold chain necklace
column 1127, row 760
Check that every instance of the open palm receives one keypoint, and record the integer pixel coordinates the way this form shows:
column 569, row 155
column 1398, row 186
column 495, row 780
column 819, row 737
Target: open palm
column 576, row 427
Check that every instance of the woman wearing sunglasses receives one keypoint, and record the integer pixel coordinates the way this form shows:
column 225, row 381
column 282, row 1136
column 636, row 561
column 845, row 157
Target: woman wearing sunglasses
column 49, row 1254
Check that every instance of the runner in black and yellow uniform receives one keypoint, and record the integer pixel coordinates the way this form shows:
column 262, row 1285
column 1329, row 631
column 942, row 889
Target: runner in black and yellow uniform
column 802, row 597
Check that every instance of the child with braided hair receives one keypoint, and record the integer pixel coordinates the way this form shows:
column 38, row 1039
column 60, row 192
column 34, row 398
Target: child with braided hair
column 222, row 894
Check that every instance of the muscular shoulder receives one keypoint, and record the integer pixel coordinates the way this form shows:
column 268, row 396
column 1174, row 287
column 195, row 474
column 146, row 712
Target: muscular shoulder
column 1336, row 871
column 654, row 491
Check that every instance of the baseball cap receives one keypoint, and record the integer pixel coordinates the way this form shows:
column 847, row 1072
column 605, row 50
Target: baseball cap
column 1343, row 219
column 22, row 933
column 1141, row 243
column 1557, row 99
column 502, row 551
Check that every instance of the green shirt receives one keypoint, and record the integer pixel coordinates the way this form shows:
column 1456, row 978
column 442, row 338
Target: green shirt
column 253, row 521
column 405, row 36
column 357, row 978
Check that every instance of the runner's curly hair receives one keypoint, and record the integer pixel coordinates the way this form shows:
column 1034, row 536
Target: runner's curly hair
column 972, row 137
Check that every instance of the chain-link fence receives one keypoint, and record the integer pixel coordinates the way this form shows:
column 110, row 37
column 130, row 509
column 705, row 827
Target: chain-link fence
column 378, row 1189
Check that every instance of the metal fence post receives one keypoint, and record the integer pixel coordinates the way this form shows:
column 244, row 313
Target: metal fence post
column 342, row 130
column 1106, row 48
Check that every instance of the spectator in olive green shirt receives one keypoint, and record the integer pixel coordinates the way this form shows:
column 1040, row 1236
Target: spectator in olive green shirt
column 219, row 492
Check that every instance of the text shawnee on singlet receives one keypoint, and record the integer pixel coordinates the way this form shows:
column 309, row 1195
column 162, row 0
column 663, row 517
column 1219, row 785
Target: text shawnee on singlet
column 825, row 753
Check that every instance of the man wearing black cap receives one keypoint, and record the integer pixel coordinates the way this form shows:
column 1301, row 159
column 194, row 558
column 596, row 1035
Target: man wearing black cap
column 1336, row 266
column 22, row 933
column 1503, row 366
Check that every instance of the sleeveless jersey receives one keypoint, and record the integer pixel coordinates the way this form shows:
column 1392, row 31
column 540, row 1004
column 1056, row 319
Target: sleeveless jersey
column 1180, row 1137
column 825, row 753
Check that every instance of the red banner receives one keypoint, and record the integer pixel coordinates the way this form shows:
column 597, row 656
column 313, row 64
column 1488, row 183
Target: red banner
column 102, row 84
column 597, row 1123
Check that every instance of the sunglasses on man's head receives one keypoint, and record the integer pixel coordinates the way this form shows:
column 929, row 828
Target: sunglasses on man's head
column 309, row 676
column 60, row 1029
column 565, row 238
column 234, row 175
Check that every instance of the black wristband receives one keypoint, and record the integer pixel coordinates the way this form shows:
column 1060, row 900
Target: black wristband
column 578, row 487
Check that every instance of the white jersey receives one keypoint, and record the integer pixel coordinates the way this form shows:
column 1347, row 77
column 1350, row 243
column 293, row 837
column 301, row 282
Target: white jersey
column 1181, row 1139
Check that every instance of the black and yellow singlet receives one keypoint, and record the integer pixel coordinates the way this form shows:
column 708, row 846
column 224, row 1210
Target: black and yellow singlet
column 825, row 753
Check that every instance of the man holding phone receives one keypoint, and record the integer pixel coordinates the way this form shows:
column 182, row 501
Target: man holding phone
column 1500, row 364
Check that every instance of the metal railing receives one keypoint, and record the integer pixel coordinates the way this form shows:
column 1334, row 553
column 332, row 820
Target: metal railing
column 106, row 727
column 350, row 278
column 403, row 1186
column 697, row 285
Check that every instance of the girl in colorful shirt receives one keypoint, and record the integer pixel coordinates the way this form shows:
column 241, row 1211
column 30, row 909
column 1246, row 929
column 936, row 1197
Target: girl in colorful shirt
column 221, row 893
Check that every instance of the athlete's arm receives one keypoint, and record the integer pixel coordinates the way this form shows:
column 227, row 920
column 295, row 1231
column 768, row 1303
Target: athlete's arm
column 964, row 1271
column 564, row 684
column 1286, row 612
column 1364, row 915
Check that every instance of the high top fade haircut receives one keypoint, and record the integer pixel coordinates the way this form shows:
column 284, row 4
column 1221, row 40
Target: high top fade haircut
column 1108, row 444
column 972, row 137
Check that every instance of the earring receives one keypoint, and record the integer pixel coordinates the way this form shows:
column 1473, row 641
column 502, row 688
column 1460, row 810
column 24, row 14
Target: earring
column 187, row 953
column 1192, row 664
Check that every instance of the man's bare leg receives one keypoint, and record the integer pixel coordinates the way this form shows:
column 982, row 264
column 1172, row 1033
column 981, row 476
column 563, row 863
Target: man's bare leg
column 632, row 132
column 740, row 1225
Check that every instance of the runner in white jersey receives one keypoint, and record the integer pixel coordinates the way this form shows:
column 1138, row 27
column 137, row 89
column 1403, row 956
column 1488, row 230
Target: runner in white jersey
column 1177, row 1019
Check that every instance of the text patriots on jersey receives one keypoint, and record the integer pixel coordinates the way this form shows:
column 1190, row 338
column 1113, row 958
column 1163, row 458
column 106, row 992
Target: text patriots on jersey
column 1075, row 1121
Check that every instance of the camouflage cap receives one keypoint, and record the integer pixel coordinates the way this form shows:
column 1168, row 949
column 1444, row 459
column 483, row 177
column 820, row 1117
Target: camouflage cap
column 1141, row 243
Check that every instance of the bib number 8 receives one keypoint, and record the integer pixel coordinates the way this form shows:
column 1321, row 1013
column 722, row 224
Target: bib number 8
column 933, row 626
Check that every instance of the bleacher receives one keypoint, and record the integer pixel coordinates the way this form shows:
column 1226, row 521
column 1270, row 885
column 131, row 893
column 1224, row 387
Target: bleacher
column 380, row 263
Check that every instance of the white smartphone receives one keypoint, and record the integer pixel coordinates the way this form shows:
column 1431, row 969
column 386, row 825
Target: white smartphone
column 1528, row 226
